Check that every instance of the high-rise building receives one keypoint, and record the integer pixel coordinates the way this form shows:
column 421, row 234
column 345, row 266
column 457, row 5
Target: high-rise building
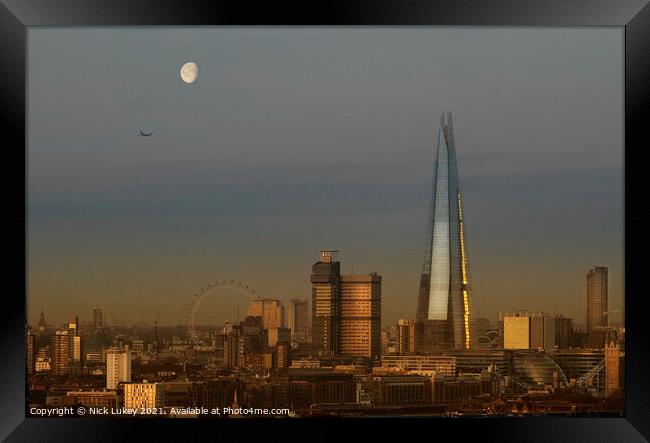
column 405, row 336
column 98, row 318
column 299, row 320
column 542, row 331
column 346, row 310
column 118, row 367
column 360, row 315
column 233, row 347
column 563, row 332
column 325, row 281
column 61, row 352
column 30, row 352
column 282, row 356
column 595, row 298
column 144, row 395
column 271, row 311
column 444, row 303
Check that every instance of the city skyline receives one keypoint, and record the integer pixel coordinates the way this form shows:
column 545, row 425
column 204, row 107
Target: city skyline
column 136, row 225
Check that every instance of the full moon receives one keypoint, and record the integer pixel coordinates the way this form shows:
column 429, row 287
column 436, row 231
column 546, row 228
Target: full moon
column 189, row 71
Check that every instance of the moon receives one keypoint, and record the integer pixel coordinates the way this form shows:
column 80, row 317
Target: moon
column 189, row 72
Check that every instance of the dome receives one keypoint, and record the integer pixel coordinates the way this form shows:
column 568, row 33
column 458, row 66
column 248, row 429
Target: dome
column 534, row 368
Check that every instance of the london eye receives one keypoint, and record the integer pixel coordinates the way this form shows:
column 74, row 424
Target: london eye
column 192, row 306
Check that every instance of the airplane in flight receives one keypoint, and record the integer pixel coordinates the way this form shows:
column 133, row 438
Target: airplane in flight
column 144, row 134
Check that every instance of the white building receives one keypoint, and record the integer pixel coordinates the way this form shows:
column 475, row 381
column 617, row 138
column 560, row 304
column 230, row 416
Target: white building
column 118, row 367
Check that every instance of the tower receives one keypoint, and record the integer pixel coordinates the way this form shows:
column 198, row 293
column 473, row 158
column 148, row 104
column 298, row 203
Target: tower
column 299, row 319
column 346, row 310
column 118, row 367
column 98, row 318
column 326, row 282
column 612, row 365
column 595, row 298
column 42, row 324
column 444, row 301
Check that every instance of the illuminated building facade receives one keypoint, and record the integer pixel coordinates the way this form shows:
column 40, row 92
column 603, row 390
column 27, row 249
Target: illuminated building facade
column 144, row 395
column 360, row 315
column 444, row 304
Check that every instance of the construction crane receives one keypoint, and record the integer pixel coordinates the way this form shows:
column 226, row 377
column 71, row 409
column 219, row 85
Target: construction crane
column 155, row 331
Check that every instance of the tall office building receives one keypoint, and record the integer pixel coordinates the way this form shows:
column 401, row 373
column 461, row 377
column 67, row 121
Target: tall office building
column 271, row 311
column 405, row 336
column 30, row 352
column 299, row 319
column 118, row 367
column 98, row 318
column 325, row 282
column 360, row 315
column 346, row 310
column 61, row 352
column 233, row 346
column 595, row 298
column 444, row 303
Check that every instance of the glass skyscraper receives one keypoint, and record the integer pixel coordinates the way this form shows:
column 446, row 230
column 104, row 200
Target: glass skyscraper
column 443, row 312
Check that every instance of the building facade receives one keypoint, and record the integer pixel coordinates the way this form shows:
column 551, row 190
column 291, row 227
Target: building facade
column 61, row 352
column 443, row 316
column 360, row 315
column 524, row 330
column 405, row 336
column 441, row 364
column 144, row 395
column 563, row 332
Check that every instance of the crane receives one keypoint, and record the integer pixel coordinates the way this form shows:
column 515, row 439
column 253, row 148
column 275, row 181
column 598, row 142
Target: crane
column 155, row 331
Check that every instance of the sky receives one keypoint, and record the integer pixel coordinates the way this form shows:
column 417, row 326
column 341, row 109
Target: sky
column 294, row 140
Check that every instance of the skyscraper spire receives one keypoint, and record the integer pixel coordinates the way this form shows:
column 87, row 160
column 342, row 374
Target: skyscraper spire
column 443, row 313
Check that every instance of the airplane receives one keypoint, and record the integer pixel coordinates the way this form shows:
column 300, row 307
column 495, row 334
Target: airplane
column 144, row 134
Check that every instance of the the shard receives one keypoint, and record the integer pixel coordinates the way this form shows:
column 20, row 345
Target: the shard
column 444, row 302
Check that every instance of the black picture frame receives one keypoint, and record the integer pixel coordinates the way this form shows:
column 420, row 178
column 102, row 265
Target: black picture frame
column 17, row 15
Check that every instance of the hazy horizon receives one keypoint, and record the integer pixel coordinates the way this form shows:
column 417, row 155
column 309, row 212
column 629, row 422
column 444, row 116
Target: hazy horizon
column 301, row 139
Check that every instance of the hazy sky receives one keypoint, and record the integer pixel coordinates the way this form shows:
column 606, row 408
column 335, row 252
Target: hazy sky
column 297, row 139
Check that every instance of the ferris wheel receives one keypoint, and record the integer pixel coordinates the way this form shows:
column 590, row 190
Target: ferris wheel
column 191, row 308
